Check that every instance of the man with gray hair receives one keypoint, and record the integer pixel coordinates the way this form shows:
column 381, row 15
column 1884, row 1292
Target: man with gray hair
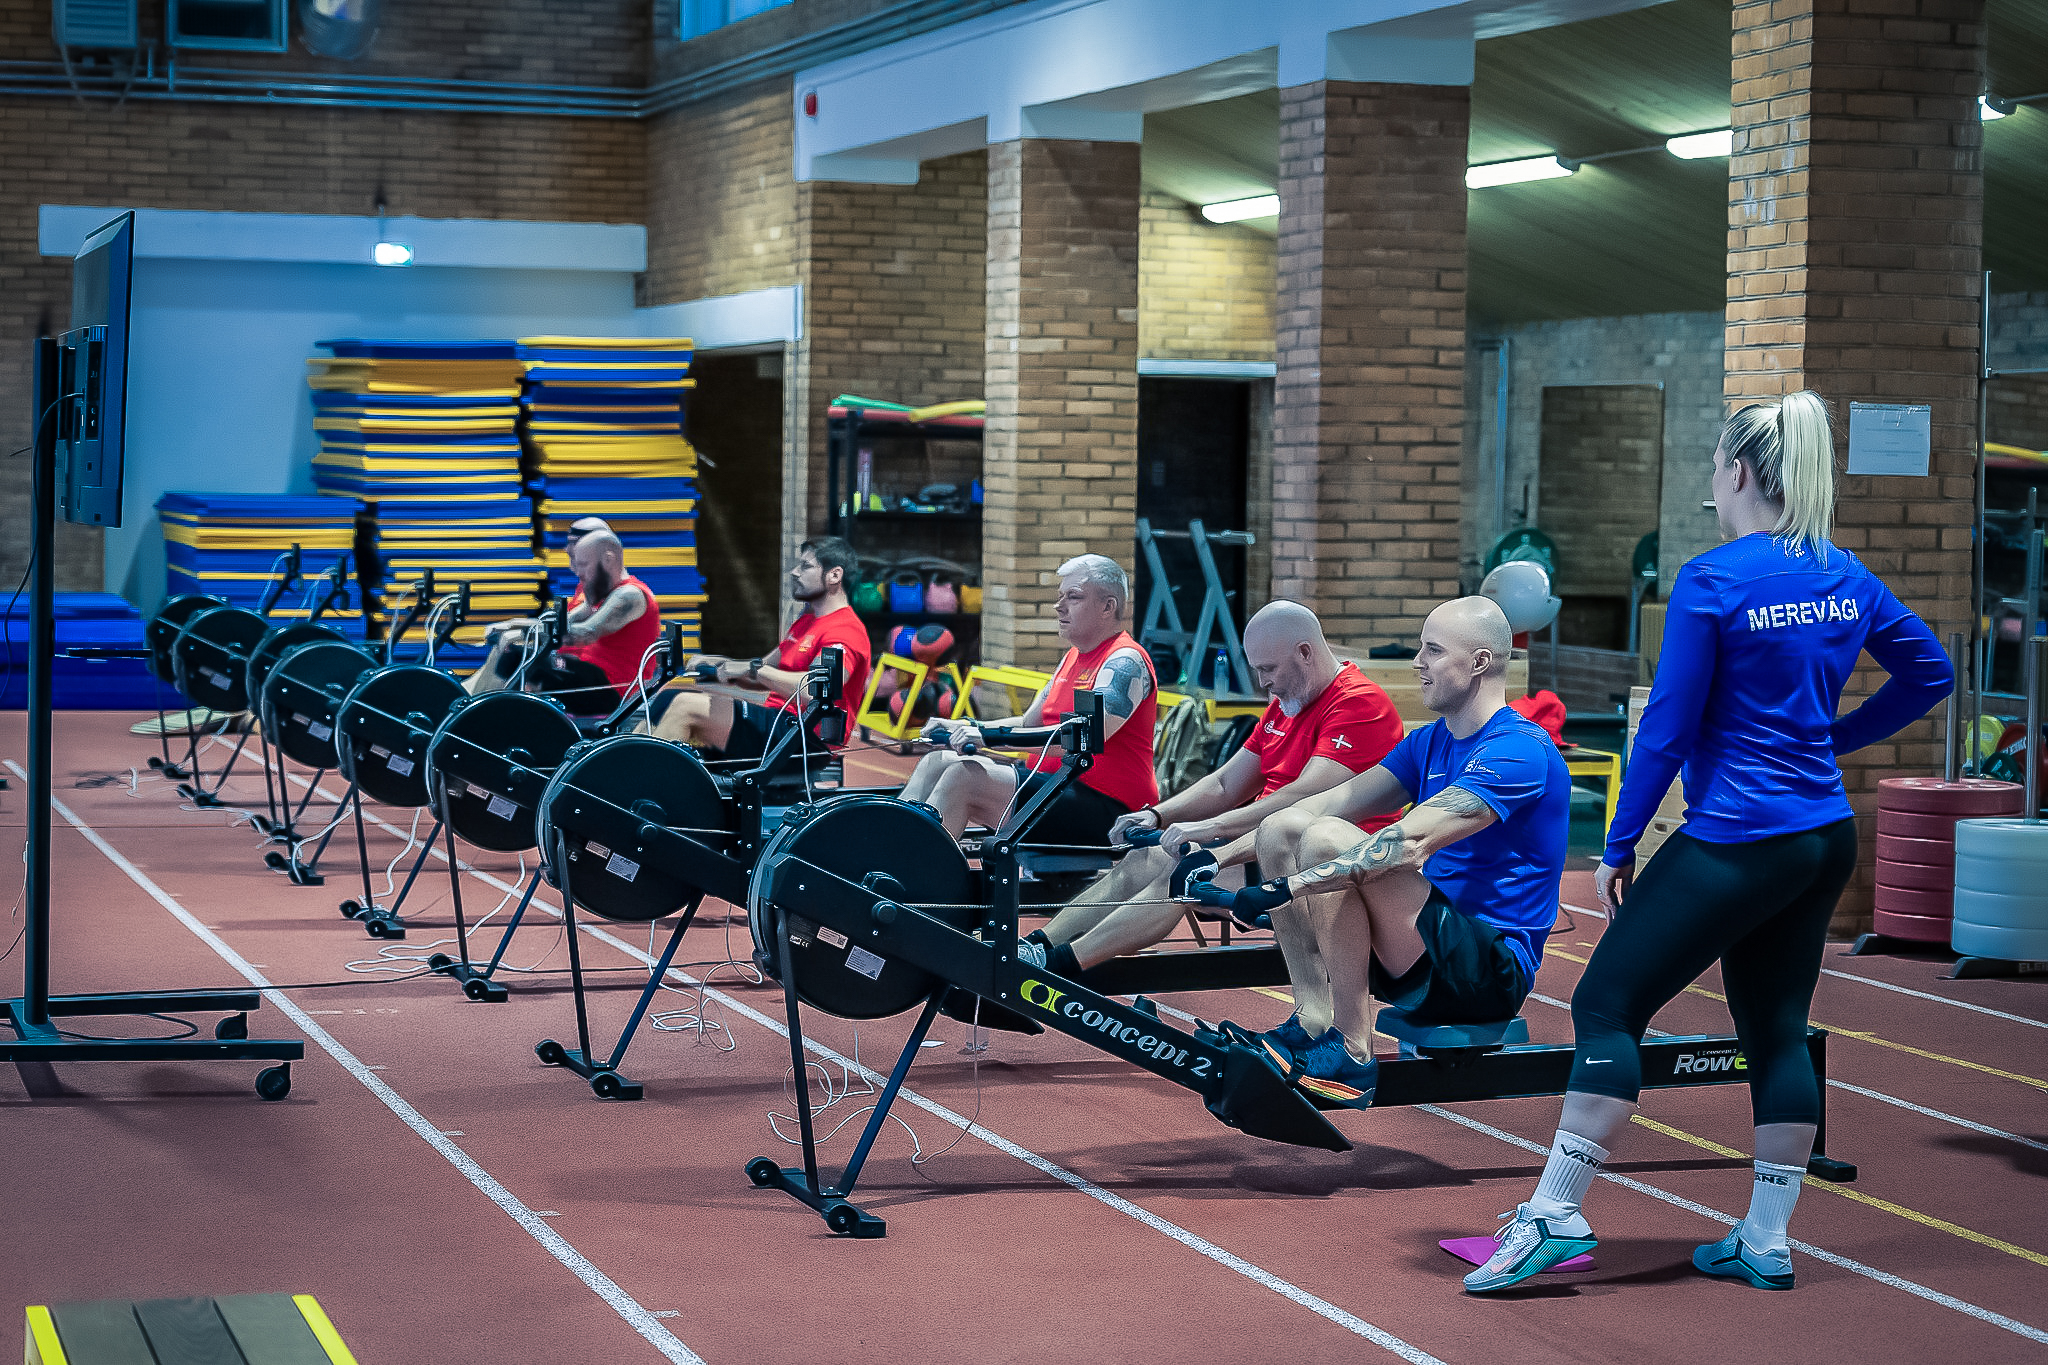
column 1443, row 913
column 1326, row 722
column 978, row 788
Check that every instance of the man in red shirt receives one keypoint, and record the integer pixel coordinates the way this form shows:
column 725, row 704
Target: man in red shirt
column 727, row 727
column 613, row 619
column 1101, row 658
column 1325, row 723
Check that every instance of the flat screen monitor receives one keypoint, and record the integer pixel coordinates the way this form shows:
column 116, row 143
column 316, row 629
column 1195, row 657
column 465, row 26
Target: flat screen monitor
column 93, row 373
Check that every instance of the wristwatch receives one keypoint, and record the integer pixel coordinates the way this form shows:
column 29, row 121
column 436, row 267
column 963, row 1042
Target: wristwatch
column 753, row 670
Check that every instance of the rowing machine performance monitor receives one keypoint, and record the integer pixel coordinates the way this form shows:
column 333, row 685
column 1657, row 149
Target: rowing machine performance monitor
column 77, row 422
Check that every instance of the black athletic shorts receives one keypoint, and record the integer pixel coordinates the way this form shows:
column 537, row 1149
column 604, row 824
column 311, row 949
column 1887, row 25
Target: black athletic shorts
column 1466, row 974
column 1079, row 815
column 578, row 684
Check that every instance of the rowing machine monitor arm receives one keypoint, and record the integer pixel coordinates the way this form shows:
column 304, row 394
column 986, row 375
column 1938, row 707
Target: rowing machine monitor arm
column 287, row 578
column 668, row 659
column 415, row 607
column 554, row 628
column 337, row 589
column 450, row 621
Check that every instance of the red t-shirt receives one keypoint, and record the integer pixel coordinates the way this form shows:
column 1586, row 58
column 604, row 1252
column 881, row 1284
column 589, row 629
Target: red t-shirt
column 1353, row 722
column 1123, row 770
column 620, row 653
column 808, row 635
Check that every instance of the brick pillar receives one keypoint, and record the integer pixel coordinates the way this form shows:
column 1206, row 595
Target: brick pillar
column 1854, row 250
column 1369, row 399
column 1062, row 379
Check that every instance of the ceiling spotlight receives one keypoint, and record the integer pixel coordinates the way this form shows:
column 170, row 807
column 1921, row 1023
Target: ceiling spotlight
column 391, row 253
column 1694, row 146
column 1515, row 172
column 1237, row 210
column 1990, row 109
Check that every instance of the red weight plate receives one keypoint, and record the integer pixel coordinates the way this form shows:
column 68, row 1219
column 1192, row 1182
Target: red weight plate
column 1916, row 825
column 1926, row 852
column 1903, row 902
column 1915, row 876
column 1914, row 928
column 1932, row 796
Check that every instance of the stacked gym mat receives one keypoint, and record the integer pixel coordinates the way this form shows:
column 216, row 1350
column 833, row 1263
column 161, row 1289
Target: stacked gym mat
column 426, row 434
column 228, row 544
column 602, row 422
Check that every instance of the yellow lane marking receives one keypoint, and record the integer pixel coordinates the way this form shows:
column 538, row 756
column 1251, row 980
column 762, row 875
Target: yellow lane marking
column 1862, row 1036
column 1885, row 1205
column 1277, row 995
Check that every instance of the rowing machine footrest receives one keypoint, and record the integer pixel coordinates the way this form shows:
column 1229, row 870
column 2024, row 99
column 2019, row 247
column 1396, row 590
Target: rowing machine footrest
column 1256, row 1099
column 1429, row 1040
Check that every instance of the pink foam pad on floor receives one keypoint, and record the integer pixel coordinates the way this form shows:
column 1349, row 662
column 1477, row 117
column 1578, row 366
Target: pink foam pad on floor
column 1478, row 1250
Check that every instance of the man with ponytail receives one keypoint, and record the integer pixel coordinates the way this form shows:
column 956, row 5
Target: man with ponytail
column 1762, row 633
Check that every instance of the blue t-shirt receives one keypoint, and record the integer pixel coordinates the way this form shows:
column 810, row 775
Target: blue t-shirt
column 1507, row 874
column 1759, row 638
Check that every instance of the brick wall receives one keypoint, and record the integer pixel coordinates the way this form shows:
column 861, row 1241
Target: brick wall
column 2017, row 414
column 1062, row 337
column 721, row 196
column 2019, row 331
column 1602, row 459
column 1854, row 246
column 1369, row 396
column 894, row 294
column 1205, row 290
column 269, row 160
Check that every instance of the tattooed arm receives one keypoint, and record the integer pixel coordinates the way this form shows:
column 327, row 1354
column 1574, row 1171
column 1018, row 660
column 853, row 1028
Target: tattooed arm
column 1123, row 683
column 1452, row 814
column 620, row 607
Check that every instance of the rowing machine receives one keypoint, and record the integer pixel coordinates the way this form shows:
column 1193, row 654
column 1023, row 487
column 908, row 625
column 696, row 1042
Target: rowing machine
column 297, row 711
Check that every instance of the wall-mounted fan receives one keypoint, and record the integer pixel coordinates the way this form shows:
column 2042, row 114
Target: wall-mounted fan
column 339, row 28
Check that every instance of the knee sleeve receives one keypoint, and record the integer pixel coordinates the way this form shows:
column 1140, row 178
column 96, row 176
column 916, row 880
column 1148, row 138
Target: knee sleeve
column 1606, row 1062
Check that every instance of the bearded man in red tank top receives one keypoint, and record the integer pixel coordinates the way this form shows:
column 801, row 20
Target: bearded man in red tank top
column 980, row 788
column 612, row 622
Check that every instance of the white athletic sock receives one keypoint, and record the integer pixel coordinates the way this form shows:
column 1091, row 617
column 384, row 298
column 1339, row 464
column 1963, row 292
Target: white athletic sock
column 1771, row 1197
column 1574, row 1161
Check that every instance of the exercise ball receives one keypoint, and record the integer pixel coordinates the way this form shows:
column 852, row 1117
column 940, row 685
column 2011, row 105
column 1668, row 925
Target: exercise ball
column 1521, row 588
column 927, row 644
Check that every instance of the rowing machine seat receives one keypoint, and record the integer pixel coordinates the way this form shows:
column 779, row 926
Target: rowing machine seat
column 1449, row 1040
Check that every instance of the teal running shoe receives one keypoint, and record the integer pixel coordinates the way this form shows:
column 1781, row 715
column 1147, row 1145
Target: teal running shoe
column 1529, row 1246
column 1731, row 1258
column 1285, row 1043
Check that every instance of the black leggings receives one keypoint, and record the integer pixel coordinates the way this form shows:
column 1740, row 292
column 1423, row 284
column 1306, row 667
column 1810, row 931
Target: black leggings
column 1762, row 909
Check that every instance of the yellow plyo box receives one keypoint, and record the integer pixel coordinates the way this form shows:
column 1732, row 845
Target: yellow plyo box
column 259, row 1329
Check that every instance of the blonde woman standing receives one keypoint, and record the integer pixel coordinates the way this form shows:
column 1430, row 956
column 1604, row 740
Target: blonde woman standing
column 1762, row 633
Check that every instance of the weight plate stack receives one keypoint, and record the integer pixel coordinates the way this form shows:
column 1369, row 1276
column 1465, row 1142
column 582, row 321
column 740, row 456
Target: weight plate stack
column 2001, row 897
column 1916, row 824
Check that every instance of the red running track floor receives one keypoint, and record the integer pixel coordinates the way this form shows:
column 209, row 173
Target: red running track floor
column 1094, row 1214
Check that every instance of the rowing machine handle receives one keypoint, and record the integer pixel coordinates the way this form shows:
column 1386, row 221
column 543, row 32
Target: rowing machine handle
column 1143, row 838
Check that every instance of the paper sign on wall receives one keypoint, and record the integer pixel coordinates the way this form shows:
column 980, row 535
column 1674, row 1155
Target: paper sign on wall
column 1890, row 438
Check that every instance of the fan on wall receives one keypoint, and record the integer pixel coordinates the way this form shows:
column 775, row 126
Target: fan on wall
column 339, row 28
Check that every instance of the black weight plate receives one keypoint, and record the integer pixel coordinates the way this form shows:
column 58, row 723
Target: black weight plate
column 163, row 628
column 496, row 752
column 281, row 641
column 210, row 657
column 852, row 836
column 598, row 801
column 302, row 694
column 384, row 725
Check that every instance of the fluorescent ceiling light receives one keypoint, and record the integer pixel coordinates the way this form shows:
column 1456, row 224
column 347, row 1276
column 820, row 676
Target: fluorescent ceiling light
column 1237, row 210
column 1514, row 172
column 1990, row 109
column 1694, row 146
column 391, row 253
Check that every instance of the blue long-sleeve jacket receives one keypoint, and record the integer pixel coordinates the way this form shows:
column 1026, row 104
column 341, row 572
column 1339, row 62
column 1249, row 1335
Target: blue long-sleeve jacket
column 1759, row 639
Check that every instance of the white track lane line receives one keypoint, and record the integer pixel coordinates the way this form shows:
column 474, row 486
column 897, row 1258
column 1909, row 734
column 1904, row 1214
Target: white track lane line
column 1881, row 985
column 637, row 1317
column 1883, row 1277
column 1350, row 1322
column 1209, row 1249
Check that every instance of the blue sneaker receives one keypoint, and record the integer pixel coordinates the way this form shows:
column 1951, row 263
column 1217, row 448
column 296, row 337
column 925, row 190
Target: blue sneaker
column 1734, row 1259
column 1529, row 1246
column 1330, row 1073
column 1285, row 1044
